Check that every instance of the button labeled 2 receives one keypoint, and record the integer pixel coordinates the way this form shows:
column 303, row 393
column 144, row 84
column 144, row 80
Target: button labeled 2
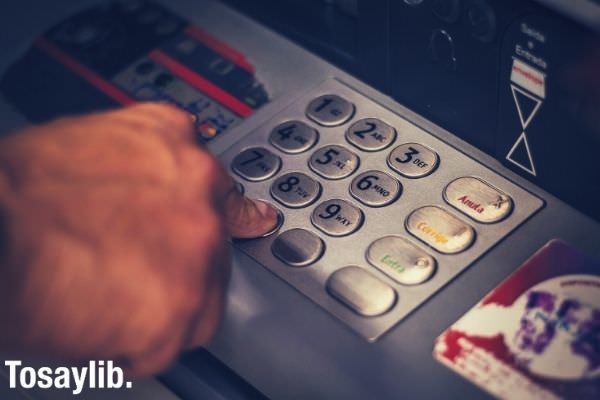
column 371, row 134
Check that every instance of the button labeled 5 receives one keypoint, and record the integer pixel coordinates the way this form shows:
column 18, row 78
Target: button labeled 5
column 333, row 162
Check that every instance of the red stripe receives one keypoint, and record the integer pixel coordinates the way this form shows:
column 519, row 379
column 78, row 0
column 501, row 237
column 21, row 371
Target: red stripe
column 222, row 48
column 200, row 83
column 90, row 76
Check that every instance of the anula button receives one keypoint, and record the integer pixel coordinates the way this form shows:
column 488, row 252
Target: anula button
column 478, row 199
column 440, row 229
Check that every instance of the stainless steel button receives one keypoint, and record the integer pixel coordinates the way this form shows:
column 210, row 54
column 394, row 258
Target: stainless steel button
column 293, row 137
column 333, row 162
column 298, row 247
column 295, row 190
column 330, row 110
column 375, row 188
column 362, row 292
column 478, row 199
column 413, row 160
column 440, row 229
column 401, row 260
column 370, row 134
column 256, row 164
column 337, row 217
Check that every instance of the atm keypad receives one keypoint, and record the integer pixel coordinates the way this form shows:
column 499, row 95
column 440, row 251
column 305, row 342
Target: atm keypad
column 378, row 213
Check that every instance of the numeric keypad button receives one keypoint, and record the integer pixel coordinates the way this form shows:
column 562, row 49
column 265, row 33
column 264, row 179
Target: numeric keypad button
column 375, row 188
column 293, row 137
column 256, row 164
column 295, row 190
column 333, row 162
column 330, row 110
column 370, row 134
column 298, row 247
column 337, row 217
column 413, row 160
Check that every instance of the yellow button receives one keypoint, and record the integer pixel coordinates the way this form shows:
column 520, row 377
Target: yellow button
column 440, row 229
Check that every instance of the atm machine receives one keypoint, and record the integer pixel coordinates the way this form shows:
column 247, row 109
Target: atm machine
column 434, row 162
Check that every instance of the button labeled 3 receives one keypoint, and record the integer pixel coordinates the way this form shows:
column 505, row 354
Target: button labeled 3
column 362, row 292
column 256, row 164
column 401, row 260
column 293, row 137
column 333, row 162
column 440, row 229
column 375, row 188
column 330, row 110
column 413, row 160
column 370, row 134
column 478, row 199
column 337, row 217
column 295, row 190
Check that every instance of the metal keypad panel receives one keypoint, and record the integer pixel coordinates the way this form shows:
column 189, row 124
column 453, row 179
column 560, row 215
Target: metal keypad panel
column 377, row 223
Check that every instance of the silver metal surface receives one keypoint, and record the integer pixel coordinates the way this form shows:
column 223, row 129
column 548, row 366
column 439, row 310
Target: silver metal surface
column 361, row 291
column 440, row 229
column 334, row 162
column 330, row 110
column 295, row 190
column 298, row 247
column 478, row 199
column 401, row 260
column 256, row 164
column 370, row 134
column 379, row 222
column 337, row 217
column 413, row 160
column 375, row 188
column 293, row 137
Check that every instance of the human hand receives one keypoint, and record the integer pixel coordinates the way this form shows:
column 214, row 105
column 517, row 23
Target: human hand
column 113, row 233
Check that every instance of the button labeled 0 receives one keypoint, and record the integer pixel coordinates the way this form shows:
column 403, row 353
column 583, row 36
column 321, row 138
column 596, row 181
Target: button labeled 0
column 440, row 229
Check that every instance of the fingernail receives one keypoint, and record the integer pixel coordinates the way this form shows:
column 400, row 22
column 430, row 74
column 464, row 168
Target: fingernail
column 265, row 209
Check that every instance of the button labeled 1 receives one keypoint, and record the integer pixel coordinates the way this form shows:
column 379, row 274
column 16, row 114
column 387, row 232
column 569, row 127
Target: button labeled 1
column 293, row 137
column 333, row 162
column 413, row 160
column 375, row 188
column 330, row 110
column 256, row 164
column 337, row 217
column 370, row 134
column 295, row 190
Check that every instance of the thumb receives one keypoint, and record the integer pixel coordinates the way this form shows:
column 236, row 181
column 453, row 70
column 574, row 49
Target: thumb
column 247, row 218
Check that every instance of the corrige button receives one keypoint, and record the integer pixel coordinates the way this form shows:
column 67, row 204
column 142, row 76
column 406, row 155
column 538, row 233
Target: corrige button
column 440, row 229
column 401, row 260
column 298, row 247
column 361, row 291
column 478, row 199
